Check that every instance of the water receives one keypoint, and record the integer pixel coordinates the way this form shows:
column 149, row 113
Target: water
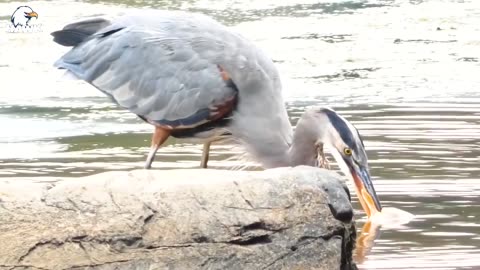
column 404, row 72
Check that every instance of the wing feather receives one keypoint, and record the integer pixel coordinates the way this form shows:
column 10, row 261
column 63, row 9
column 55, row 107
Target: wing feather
column 166, row 75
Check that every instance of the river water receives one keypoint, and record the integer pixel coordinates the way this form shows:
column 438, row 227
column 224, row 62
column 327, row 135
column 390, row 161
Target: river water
column 406, row 73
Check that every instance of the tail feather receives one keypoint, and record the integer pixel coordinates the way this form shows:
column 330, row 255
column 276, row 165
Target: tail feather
column 75, row 33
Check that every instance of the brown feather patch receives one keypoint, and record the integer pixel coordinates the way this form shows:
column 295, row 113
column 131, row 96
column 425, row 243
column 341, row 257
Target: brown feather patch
column 222, row 109
column 223, row 73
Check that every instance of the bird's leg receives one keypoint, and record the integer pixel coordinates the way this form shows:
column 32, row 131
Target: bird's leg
column 205, row 154
column 322, row 159
column 158, row 138
column 206, row 150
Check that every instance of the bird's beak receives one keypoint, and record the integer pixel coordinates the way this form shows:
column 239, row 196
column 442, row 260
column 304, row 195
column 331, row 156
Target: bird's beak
column 366, row 193
column 32, row 14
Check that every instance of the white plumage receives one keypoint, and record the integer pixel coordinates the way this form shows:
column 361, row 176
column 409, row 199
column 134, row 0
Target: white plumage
column 22, row 16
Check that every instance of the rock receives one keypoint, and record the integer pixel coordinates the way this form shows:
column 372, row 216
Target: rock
column 286, row 218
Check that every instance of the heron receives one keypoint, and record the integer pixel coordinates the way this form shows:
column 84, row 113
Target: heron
column 192, row 77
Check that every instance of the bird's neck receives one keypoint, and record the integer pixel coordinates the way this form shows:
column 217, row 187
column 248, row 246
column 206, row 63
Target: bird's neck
column 263, row 127
column 304, row 148
column 266, row 132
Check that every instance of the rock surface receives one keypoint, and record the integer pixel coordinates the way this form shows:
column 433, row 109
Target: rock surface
column 286, row 218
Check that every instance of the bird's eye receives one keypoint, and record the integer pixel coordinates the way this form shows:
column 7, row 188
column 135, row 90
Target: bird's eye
column 347, row 151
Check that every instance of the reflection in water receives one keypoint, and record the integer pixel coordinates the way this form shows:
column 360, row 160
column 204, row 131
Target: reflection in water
column 404, row 72
column 365, row 241
column 389, row 218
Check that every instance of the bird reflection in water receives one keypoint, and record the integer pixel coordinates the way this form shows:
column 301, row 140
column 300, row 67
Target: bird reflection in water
column 365, row 241
column 388, row 218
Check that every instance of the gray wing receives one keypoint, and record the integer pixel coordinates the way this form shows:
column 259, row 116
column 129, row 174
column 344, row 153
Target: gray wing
column 166, row 71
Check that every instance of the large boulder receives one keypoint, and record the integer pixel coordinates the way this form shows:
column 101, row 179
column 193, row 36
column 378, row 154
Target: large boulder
column 286, row 218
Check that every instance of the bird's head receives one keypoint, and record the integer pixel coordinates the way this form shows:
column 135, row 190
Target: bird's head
column 349, row 151
column 22, row 16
